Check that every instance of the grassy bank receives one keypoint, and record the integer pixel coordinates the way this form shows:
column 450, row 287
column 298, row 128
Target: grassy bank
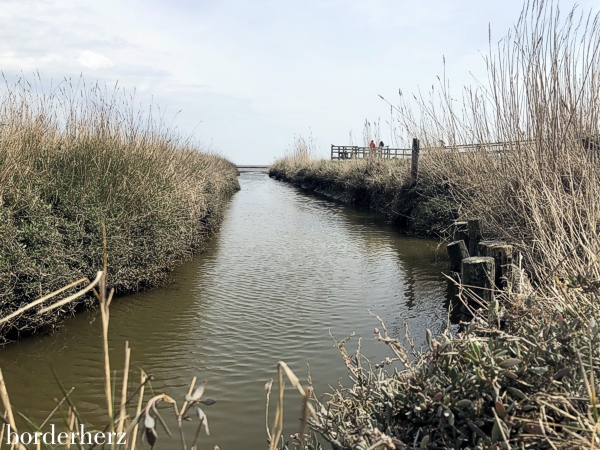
column 79, row 157
column 523, row 373
column 424, row 209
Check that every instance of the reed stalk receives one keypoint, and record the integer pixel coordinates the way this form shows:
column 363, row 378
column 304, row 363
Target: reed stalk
column 138, row 411
column 123, row 408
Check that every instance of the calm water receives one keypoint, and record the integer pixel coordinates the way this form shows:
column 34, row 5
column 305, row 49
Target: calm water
column 286, row 268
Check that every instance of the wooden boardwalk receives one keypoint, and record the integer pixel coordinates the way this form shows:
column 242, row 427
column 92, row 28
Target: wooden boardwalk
column 342, row 152
column 355, row 152
column 255, row 168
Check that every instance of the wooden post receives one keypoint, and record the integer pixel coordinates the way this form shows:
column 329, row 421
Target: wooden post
column 503, row 258
column 414, row 169
column 332, row 151
column 478, row 276
column 475, row 227
column 460, row 232
column 457, row 251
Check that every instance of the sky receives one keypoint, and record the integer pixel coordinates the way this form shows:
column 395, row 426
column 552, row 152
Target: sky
column 246, row 77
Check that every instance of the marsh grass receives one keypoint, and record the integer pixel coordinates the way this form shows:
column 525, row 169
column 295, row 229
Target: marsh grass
column 541, row 99
column 81, row 155
column 426, row 209
column 303, row 149
column 523, row 373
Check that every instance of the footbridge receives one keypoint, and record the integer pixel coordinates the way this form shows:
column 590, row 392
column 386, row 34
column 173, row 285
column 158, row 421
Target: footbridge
column 253, row 168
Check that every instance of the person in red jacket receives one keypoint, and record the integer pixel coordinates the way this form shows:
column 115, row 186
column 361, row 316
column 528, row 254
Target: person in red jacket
column 371, row 148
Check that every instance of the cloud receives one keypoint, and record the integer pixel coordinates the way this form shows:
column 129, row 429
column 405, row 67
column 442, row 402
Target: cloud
column 93, row 60
column 255, row 73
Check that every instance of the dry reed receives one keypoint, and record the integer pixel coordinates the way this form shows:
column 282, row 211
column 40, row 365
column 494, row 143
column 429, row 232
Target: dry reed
column 541, row 100
column 523, row 373
column 75, row 156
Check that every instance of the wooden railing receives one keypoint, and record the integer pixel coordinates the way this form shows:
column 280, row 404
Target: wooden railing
column 492, row 147
column 355, row 152
column 343, row 152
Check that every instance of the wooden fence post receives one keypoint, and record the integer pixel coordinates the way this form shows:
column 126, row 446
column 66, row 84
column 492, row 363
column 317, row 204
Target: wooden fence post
column 478, row 275
column 503, row 258
column 457, row 251
column 332, row 151
column 475, row 227
column 414, row 169
column 460, row 232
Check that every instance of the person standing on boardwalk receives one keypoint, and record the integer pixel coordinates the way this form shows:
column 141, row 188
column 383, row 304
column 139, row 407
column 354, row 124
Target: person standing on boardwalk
column 371, row 147
column 381, row 149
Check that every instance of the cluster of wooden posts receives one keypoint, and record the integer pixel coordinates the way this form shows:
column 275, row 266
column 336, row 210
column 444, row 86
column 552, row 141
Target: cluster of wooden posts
column 484, row 265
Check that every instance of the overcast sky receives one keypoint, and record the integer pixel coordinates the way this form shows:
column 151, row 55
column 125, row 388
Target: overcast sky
column 249, row 75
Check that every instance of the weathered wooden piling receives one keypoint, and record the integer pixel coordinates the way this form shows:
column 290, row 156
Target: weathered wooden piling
column 414, row 168
column 475, row 227
column 457, row 251
column 478, row 275
column 460, row 232
column 503, row 258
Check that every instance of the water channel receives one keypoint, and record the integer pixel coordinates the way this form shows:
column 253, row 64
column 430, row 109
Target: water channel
column 286, row 268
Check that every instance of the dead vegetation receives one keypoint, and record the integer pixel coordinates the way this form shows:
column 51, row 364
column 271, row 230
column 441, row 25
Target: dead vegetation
column 523, row 373
column 81, row 155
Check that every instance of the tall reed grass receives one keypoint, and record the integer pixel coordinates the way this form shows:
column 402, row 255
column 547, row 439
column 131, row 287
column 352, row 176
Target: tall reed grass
column 523, row 373
column 80, row 155
column 542, row 99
